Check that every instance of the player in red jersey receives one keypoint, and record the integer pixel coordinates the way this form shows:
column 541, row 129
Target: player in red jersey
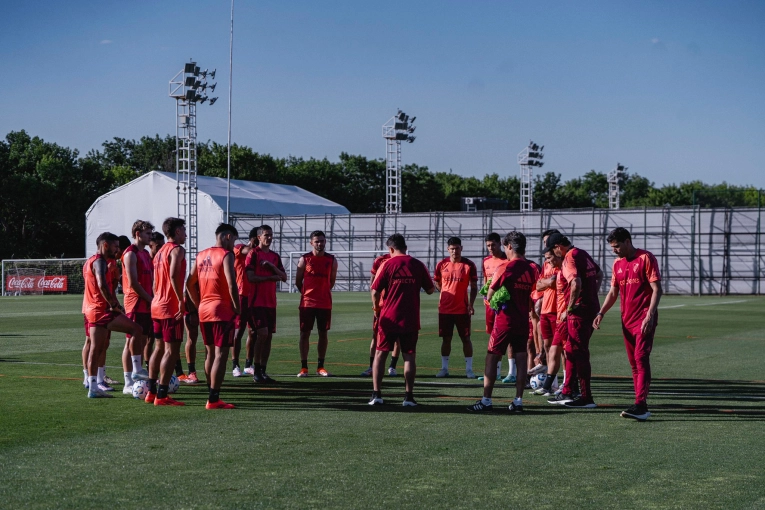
column 376, row 265
column 636, row 279
column 264, row 268
column 191, row 321
column 137, row 285
column 214, row 291
column 103, row 312
column 167, row 311
column 534, row 351
column 157, row 241
column 315, row 278
column 544, row 305
column 401, row 278
column 511, row 325
column 494, row 262
column 452, row 277
column 242, row 320
column 584, row 277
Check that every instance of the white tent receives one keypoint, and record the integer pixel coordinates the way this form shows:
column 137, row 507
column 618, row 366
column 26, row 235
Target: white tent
column 153, row 197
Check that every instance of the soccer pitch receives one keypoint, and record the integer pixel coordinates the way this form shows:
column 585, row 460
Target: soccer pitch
column 315, row 443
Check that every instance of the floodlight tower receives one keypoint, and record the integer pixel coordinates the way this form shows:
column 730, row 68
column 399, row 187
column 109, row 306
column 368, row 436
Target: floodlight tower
column 528, row 158
column 613, row 185
column 398, row 129
column 187, row 87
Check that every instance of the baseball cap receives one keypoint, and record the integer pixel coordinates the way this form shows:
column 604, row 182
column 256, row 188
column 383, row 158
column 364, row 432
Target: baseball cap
column 552, row 240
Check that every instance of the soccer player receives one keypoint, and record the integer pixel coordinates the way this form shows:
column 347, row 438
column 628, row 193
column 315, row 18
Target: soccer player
column 495, row 261
column 264, row 268
column 376, row 265
column 553, row 334
column 452, row 277
column 191, row 321
column 401, row 278
column 214, row 291
column 315, row 279
column 137, row 285
column 167, row 311
column 511, row 325
column 545, row 304
column 583, row 277
column 534, row 354
column 243, row 284
column 635, row 280
column 157, row 240
column 103, row 312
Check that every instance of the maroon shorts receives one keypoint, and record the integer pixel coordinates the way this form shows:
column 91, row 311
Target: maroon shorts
column 386, row 341
column 447, row 322
column 169, row 330
column 547, row 325
column 218, row 333
column 87, row 327
column 143, row 319
column 579, row 332
column 500, row 338
column 490, row 316
column 262, row 317
column 244, row 318
column 321, row 316
column 560, row 337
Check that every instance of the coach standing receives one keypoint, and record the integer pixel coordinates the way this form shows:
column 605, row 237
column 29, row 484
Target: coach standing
column 636, row 277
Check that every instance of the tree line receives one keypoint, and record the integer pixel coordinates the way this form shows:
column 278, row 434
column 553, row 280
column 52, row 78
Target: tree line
column 45, row 189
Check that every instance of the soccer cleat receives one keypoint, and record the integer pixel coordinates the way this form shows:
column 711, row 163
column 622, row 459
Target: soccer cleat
column 367, row 372
column 237, row 372
column 581, row 403
column 544, row 392
column 538, row 369
column 510, row 379
column 560, row 398
column 108, row 380
column 443, row 373
column 480, row 407
column 249, row 370
column 469, row 374
column 167, row 401
column 105, row 387
column 303, row 372
column 86, row 384
column 191, row 378
column 322, row 372
column 515, row 408
column 150, row 397
column 392, row 372
column 267, row 378
column 141, row 375
column 375, row 401
column 219, row 405
column 499, row 377
column 128, row 390
column 99, row 394
column 409, row 402
column 636, row 412
column 182, row 378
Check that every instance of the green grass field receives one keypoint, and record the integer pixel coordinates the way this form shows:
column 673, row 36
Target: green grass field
column 315, row 443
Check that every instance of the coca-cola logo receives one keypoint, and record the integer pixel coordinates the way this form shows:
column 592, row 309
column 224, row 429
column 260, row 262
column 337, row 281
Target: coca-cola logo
column 56, row 283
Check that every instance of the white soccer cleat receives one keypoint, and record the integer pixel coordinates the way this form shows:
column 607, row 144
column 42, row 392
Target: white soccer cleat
column 469, row 374
column 237, row 372
column 128, row 390
column 249, row 370
column 444, row 372
column 141, row 375
column 392, row 372
column 538, row 370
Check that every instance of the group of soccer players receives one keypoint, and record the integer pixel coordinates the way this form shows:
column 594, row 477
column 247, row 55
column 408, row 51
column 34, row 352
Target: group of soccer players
column 534, row 315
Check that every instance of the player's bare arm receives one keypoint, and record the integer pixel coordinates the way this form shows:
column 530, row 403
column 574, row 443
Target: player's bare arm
column 430, row 290
column 177, row 255
column 300, row 273
column 599, row 278
column 233, row 289
column 333, row 275
column 375, row 301
column 546, row 283
column 192, row 285
column 650, row 317
column 278, row 273
column 131, row 262
column 100, row 270
column 473, row 295
column 611, row 298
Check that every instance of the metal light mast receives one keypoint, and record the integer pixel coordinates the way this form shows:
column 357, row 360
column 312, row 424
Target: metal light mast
column 399, row 128
column 613, row 185
column 187, row 87
column 528, row 158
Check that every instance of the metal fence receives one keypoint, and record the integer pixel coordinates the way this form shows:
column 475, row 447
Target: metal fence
column 700, row 250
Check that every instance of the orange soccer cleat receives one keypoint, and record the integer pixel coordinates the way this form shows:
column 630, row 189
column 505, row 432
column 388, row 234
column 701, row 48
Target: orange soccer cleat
column 182, row 378
column 150, row 397
column 219, row 405
column 167, row 401
column 191, row 378
column 322, row 372
column 303, row 372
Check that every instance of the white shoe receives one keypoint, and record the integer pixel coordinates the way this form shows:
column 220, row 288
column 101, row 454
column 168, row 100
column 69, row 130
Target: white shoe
column 469, row 374
column 249, row 371
column 444, row 372
column 104, row 387
column 128, row 390
column 375, row 401
column 99, row 394
column 237, row 372
column 141, row 375
column 392, row 372
column 538, row 369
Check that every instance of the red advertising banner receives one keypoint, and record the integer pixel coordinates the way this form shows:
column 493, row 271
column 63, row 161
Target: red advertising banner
column 55, row 283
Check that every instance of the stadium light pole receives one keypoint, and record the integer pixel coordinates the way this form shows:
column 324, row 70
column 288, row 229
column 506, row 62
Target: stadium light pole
column 528, row 158
column 614, row 188
column 399, row 128
column 230, row 75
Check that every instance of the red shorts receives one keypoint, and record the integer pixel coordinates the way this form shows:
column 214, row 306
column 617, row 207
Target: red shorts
column 500, row 338
column 104, row 320
column 218, row 333
column 560, row 337
column 386, row 341
column 447, row 321
column 87, row 328
column 547, row 325
column 262, row 317
column 169, row 330
column 321, row 316
column 143, row 319
column 490, row 316
column 244, row 318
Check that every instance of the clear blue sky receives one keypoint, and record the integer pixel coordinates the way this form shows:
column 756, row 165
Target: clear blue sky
column 674, row 90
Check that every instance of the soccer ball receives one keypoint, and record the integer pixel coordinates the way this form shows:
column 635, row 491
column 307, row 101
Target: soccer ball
column 537, row 381
column 174, row 384
column 140, row 389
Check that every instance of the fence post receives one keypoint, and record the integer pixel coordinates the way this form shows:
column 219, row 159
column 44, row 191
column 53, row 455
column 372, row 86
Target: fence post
column 693, row 250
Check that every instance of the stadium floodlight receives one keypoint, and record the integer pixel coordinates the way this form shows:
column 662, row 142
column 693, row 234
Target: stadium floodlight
column 212, row 101
column 203, row 74
column 614, row 185
column 529, row 158
column 188, row 68
column 398, row 129
column 212, row 87
column 212, row 74
column 190, row 81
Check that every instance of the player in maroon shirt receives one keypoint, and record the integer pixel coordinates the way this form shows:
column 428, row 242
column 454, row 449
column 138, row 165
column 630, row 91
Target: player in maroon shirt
column 511, row 325
column 401, row 278
column 636, row 279
column 378, row 262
